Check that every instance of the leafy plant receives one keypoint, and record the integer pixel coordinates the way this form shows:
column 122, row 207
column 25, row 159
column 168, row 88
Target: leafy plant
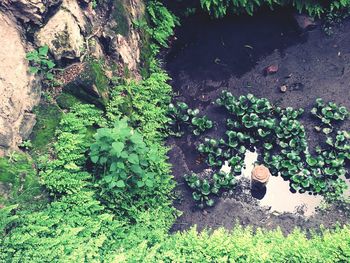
column 215, row 151
column 41, row 64
column 219, row 9
column 123, row 159
column 180, row 116
column 163, row 22
column 201, row 124
column 329, row 113
column 205, row 188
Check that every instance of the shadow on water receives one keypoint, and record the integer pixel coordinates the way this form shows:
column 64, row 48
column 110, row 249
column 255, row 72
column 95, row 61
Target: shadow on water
column 217, row 49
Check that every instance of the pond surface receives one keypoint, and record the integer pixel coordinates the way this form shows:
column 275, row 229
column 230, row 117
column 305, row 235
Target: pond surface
column 277, row 195
column 209, row 56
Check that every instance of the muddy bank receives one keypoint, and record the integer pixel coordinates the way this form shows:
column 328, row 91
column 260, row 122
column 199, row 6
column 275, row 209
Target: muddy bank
column 210, row 56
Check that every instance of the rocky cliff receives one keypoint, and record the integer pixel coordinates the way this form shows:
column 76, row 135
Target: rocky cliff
column 75, row 32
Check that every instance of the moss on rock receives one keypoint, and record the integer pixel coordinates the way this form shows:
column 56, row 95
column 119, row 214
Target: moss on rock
column 48, row 118
column 91, row 85
column 120, row 15
column 66, row 101
column 18, row 179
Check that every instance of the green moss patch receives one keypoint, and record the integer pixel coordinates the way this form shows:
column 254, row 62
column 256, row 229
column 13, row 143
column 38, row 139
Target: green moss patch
column 48, row 118
column 18, row 179
column 120, row 15
column 66, row 100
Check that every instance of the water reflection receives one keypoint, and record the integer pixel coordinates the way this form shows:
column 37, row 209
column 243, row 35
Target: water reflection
column 277, row 194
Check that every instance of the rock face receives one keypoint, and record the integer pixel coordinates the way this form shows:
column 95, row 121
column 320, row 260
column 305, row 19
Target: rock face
column 29, row 10
column 73, row 31
column 119, row 30
column 17, row 95
column 63, row 33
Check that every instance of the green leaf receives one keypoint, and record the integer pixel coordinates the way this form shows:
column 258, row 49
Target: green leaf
column 43, row 50
column 34, row 70
column 140, row 183
column 94, row 158
column 120, row 184
column 133, row 158
column 149, row 183
column 118, row 147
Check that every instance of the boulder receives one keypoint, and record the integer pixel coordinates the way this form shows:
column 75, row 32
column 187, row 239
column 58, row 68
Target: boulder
column 64, row 32
column 87, row 81
column 17, row 95
column 28, row 10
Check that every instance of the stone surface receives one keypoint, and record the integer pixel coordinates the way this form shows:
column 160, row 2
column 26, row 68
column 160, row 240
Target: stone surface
column 28, row 10
column 260, row 174
column 26, row 127
column 123, row 38
column 64, row 32
column 304, row 21
column 17, row 95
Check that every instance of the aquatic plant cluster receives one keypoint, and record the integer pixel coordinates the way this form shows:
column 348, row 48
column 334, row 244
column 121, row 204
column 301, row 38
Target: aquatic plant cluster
column 182, row 117
column 281, row 140
column 205, row 188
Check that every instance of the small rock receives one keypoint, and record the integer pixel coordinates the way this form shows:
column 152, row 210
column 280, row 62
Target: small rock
column 304, row 21
column 272, row 69
column 283, row 88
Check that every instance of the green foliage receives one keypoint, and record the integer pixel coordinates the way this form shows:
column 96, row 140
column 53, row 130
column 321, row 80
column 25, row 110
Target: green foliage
column 201, row 124
column 214, row 150
column 41, row 64
column 329, row 113
column 73, row 229
column 205, row 188
column 145, row 104
column 18, row 176
column 181, row 116
column 281, row 138
column 163, row 22
column 220, row 8
column 245, row 245
column 126, row 166
column 65, row 173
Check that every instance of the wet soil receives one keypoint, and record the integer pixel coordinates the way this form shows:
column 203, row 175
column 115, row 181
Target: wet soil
column 209, row 56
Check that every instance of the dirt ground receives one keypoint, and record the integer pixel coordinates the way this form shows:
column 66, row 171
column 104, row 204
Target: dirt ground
column 211, row 55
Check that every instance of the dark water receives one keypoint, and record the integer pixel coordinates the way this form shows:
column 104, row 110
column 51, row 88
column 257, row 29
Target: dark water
column 217, row 49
